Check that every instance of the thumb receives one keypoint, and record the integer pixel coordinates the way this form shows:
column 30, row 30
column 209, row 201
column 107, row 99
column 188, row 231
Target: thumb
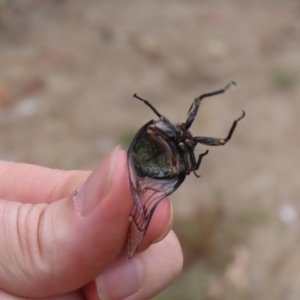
column 48, row 249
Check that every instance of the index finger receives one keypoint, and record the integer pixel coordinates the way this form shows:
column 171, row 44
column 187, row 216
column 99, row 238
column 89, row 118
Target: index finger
column 34, row 184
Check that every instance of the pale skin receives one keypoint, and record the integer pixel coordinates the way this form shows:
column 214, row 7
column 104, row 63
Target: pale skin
column 54, row 245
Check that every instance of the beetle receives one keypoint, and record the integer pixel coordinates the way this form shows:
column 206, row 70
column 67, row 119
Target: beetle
column 159, row 158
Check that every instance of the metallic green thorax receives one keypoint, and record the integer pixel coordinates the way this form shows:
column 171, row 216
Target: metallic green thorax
column 151, row 157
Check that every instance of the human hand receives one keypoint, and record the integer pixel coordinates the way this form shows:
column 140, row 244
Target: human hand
column 58, row 244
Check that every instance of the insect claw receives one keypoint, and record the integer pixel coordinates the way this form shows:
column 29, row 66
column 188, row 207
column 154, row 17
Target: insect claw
column 198, row 176
column 243, row 115
column 230, row 84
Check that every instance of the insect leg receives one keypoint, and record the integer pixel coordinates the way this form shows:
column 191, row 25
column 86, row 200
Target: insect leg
column 195, row 105
column 200, row 159
column 185, row 152
column 216, row 141
column 169, row 124
column 195, row 165
column 148, row 104
column 169, row 130
column 191, row 154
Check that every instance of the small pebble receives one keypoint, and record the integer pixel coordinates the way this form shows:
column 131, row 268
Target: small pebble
column 148, row 46
column 27, row 107
column 287, row 213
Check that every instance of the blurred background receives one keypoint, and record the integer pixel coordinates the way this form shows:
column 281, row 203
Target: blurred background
column 68, row 70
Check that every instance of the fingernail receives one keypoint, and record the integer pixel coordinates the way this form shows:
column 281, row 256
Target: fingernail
column 97, row 185
column 121, row 280
column 168, row 228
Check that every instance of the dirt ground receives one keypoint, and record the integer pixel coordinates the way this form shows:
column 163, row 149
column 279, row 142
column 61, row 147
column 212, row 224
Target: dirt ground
column 68, row 70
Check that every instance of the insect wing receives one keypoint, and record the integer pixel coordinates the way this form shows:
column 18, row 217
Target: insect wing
column 147, row 194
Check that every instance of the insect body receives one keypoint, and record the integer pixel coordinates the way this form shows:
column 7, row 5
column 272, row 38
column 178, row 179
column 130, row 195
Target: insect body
column 159, row 158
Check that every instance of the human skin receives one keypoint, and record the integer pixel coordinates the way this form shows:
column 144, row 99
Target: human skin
column 56, row 243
